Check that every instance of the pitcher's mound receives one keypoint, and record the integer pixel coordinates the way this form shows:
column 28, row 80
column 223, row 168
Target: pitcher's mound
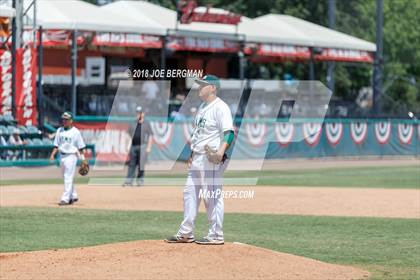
column 160, row 260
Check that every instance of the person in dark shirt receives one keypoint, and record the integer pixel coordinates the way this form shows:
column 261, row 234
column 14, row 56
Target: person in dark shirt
column 141, row 146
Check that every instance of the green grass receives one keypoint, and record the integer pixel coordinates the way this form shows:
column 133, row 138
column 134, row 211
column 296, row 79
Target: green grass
column 389, row 248
column 372, row 177
column 43, row 181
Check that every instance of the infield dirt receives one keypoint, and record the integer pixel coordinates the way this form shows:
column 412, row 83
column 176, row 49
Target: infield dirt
column 318, row 201
column 160, row 260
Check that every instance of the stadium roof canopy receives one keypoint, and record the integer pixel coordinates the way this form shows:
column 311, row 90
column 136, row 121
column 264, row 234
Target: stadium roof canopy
column 80, row 15
column 6, row 11
column 271, row 28
column 167, row 18
column 251, row 30
column 147, row 18
column 316, row 35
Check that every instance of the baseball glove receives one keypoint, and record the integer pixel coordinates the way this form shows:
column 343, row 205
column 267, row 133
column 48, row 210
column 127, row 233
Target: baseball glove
column 84, row 168
column 212, row 155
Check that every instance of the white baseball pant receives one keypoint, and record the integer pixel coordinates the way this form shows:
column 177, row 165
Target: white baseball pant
column 207, row 177
column 68, row 164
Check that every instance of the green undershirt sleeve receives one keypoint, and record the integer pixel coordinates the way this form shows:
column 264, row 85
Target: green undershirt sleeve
column 229, row 136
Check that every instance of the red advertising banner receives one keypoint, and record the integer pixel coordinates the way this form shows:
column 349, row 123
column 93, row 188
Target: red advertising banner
column 189, row 12
column 62, row 38
column 112, row 140
column 216, row 18
column 50, row 38
column 58, row 38
column 55, row 38
column 344, row 55
column 300, row 52
column 278, row 50
column 26, row 70
column 202, row 44
column 5, row 82
column 126, row 40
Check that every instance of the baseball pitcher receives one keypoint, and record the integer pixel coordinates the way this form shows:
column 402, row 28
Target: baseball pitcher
column 213, row 133
column 69, row 144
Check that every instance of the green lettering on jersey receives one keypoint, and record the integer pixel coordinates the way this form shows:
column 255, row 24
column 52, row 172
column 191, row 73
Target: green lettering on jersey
column 201, row 122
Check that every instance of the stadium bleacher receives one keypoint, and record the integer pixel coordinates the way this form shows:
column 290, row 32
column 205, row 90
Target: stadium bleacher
column 31, row 137
column 35, row 147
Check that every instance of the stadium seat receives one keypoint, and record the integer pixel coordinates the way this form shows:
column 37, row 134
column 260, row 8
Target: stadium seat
column 29, row 141
column 11, row 129
column 47, row 141
column 22, row 129
column 32, row 129
column 4, row 130
column 37, row 142
column 8, row 118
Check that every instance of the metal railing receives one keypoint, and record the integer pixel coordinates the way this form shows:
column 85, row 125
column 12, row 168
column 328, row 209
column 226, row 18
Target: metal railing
column 33, row 155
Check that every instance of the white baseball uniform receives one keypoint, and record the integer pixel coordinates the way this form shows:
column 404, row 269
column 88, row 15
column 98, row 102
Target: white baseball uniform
column 210, row 123
column 68, row 142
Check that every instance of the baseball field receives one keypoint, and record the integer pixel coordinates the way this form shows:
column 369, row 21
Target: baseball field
column 306, row 219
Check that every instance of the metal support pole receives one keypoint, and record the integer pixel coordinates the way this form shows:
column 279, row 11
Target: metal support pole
column 163, row 58
column 41, row 104
column 242, row 65
column 14, row 47
column 16, row 44
column 18, row 5
column 34, row 23
column 311, row 66
column 331, row 64
column 73, row 72
column 163, row 54
column 311, row 72
column 378, row 71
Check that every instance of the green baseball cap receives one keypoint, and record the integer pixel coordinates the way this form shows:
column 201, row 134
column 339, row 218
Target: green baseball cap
column 209, row 80
column 67, row 116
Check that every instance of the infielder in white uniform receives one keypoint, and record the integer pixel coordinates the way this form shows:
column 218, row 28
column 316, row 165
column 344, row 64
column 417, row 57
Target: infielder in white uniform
column 213, row 133
column 69, row 144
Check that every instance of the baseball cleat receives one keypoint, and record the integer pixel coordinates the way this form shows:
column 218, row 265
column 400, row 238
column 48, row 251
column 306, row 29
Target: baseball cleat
column 179, row 239
column 73, row 200
column 209, row 241
column 127, row 185
column 63, row 203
